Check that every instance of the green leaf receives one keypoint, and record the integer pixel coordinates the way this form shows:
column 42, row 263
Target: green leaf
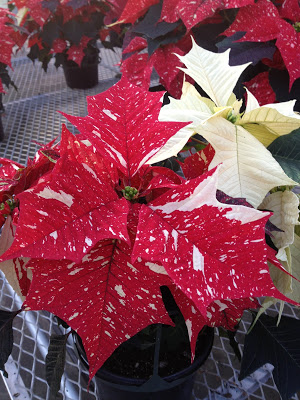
column 277, row 345
column 6, row 336
column 232, row 341
column 73, row 31
column 50, row 32
column 55, row 362
column 286, row 150
column 59, row 59
column 34, row 52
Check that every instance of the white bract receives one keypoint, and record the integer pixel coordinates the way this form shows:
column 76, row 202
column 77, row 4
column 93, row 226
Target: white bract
column 248, row 168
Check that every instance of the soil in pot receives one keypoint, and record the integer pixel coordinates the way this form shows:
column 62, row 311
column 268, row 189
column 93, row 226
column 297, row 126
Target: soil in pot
column 84, row 76
column 136, row 371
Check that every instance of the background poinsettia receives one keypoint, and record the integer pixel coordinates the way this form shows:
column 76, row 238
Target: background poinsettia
column 265, row 33
column 66, row 30
column 10, row 38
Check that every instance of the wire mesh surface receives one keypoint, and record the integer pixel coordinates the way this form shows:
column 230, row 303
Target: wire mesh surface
column 31, row 116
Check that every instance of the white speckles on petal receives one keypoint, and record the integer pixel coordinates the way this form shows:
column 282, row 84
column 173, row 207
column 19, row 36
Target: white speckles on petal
column 147, row 157
column 74, row 316
column 43, row 213
column 198, row 260
column 175, row 237
column 110, row 114
column 120, row 291
column 221, row 305
column 48, row 193
column 117, row 154
column 89, row 169
column 75, row 271
column 54, row 235
column 131, row 267
column 159, row 269
column 88, row 241
column 111, row 230
column 189, row 327
column 166, row 233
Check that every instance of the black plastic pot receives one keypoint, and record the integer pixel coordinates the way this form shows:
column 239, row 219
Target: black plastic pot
column 81, row 77
column 176, row 386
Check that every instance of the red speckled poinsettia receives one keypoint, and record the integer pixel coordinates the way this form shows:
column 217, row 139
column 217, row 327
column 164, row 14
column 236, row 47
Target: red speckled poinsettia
column 76, row 52
column 187, row 230
column 193, row 12
column 8, row 40
column 106, row 298
column 225, row 313
column 135, row 119
column 104, row 230
column 262, row 22
column 190, row 12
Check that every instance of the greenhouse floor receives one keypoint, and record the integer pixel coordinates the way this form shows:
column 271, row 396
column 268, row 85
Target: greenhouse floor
column 31, row 117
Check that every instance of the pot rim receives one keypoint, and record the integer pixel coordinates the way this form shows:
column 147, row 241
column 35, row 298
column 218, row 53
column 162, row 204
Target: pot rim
column 121, row 381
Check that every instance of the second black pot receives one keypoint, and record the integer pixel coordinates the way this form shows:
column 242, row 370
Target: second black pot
column 81, row 77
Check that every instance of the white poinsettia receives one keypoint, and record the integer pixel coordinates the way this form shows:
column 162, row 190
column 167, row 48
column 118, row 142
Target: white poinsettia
column 290, row 259
column 284, row 206
column 248, row 168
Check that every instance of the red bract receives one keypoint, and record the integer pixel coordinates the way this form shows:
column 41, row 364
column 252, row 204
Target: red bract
column 260, row 87
column 89, row 210
column 39, row 13
column 135, row 9
column 244, row 18
column 76, row 52
column 138, row 70
column 262, row 22
column 77, row 150
column 123, row 125
column 290, row 9
column 136, row 44
column 200, row 242
column 58, row 46
column 198, row 163
column 105, row 298
column 138, row 67
column 190, row 12
column 225, row 313
column 15, row 178
column 7, row 41
column 166, row 63
column 193, row 12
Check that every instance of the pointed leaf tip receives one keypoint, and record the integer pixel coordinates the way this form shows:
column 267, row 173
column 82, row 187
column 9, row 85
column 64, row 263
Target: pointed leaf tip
column 212, row 72
column 128, row 142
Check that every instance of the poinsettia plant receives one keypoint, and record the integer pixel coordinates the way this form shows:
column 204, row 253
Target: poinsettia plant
column 264, row 32
column 94, row 227
column 10, row 38
column 66, row 30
